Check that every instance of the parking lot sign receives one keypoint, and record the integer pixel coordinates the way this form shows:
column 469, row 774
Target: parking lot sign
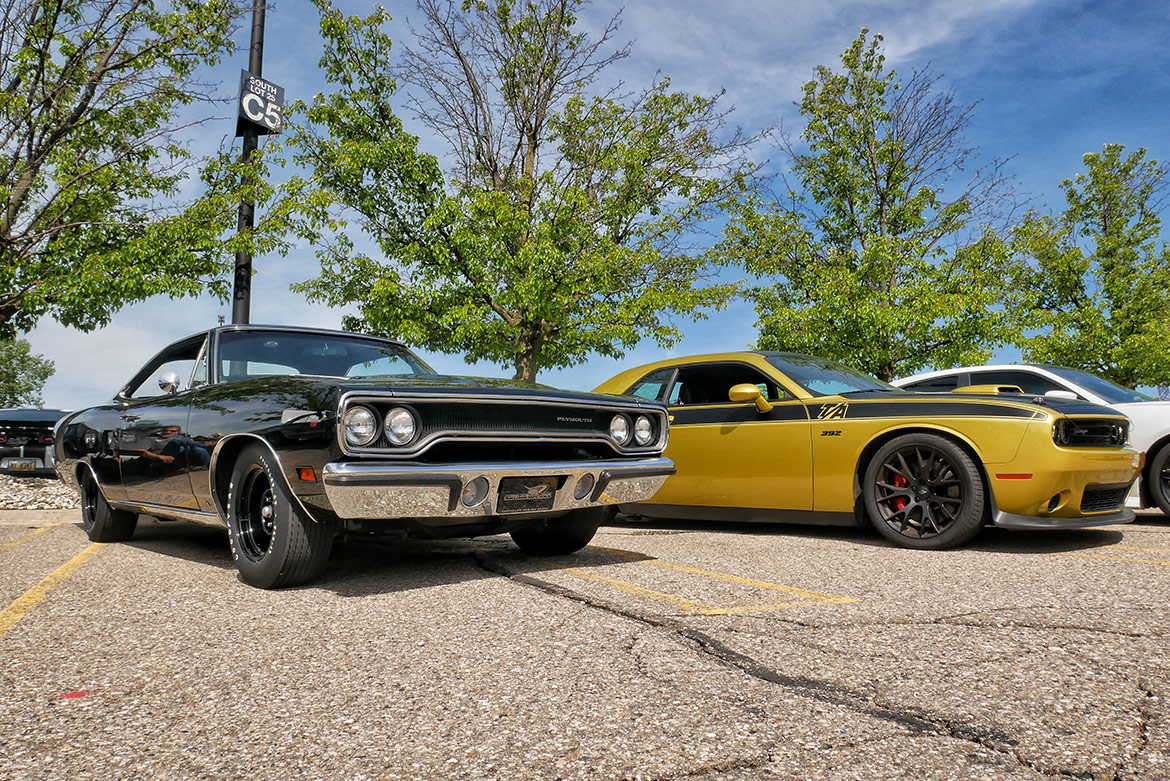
column 261, row 105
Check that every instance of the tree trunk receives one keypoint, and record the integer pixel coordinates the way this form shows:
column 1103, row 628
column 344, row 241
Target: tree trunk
column 527, row 358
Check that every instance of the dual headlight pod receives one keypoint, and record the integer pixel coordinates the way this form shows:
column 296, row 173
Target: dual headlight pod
column 362, row 426
column 641, row 431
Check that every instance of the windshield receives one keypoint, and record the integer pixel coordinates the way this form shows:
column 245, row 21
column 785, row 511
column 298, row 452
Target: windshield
column 825, row 378
column 1113, row 394
column 247, row 354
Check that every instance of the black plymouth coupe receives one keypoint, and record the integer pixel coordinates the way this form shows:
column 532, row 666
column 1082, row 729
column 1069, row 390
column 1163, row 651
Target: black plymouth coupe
column 290, row 436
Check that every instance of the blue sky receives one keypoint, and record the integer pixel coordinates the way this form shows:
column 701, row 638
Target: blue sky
column 1054, row 79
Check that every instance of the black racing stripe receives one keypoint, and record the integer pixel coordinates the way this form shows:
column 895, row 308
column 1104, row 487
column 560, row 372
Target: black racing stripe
column 739, row 413
column 917, row 409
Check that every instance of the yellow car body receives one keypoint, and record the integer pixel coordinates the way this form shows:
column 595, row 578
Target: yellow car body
column 801, row 450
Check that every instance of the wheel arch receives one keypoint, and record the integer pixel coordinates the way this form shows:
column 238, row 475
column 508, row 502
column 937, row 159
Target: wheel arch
column 875, row 444
column 1144, row 495
column 223, row 461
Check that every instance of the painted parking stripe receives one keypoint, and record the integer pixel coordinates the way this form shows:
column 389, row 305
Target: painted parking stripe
column 10, row 615
column 1116, row 558
column 694, row 606
column 1145, row 550
column 7, row 546
column 799, row 592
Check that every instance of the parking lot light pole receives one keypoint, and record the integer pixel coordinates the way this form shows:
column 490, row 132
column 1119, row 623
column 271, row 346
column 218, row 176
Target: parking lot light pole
column 242, row 290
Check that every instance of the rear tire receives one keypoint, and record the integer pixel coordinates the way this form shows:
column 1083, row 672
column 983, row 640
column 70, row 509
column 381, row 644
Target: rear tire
column 1158, row 479
column 923, row 491
column 274, row 543
column 101, row 522
column 561, row 536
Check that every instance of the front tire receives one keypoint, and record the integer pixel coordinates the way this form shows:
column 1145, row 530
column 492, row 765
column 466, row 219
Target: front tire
column 561, row 536
column 274, row 543
column 923, row 491
column 1158, row 479
column 101, row 522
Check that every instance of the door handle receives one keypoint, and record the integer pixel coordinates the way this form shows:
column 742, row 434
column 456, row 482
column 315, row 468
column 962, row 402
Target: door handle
column 130, row 418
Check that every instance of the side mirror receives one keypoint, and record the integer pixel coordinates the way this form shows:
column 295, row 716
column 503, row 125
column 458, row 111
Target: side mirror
column 752, row 393
column 169, row 382
column 1060, row 394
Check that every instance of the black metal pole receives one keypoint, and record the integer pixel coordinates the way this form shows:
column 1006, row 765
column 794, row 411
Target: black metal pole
column 242, row 291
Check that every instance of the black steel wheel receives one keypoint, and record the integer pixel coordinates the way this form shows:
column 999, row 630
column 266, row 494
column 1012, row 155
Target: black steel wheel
column 560, row 536
column 924, row 491
column 1158, row 477
column 274, row 543
column 101, row 522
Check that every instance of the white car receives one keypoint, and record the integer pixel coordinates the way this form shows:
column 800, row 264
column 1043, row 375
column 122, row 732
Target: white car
column 1150, row 418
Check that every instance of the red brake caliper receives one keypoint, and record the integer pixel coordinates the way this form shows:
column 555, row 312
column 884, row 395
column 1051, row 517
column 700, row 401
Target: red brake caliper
column 900, row 502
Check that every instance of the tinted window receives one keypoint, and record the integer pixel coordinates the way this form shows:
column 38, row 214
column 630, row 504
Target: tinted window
column 1113, row 394
column 825, row 378
column 935, row 384
column 653, row 386
column 711, row 383
column 244, row 354
column 1029, row 383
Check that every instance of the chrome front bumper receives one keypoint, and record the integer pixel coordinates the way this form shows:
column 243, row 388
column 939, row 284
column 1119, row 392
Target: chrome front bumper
column 406, row 490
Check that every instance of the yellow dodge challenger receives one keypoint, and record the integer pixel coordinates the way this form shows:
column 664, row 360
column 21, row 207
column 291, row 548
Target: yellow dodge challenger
column 767, row 436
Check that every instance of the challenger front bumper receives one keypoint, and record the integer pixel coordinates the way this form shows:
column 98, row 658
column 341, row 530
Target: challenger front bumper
column 406, row 490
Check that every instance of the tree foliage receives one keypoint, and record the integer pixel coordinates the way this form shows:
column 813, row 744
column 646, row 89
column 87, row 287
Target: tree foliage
column 1093, row 287
column 22, row 374
column 95, row 96
column 559, row 227
column 880, row 255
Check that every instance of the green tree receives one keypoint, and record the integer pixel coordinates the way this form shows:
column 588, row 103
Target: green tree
column 1095, row 287
column 22, row 374
column 560, row 227
column 879, row 256
column 95, row 99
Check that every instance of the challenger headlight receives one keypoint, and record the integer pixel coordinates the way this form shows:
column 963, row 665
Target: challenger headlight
column 400, row 426
column 619, row 429
column 361, row 426
column 643, row 431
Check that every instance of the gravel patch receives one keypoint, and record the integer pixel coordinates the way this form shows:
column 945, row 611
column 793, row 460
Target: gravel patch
column 36, row 493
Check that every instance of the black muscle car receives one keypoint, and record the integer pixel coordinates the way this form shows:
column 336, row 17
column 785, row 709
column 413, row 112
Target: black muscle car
column 289, row 436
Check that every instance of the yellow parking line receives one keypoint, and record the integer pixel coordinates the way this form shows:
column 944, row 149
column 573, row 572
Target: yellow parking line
column 7, row 546
column 799, row 592
column 628, row 588
column 1145, row 550
column 10, row 615
column 1116, row 558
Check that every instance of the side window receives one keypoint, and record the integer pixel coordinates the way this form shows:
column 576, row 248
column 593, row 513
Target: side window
column 179, row 358
column 1032, row 384
column 149, row 388
column 710, row 384
column 652, row 387
column 942, row 384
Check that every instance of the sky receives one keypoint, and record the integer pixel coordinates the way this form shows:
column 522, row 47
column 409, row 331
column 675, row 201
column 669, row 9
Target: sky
column 1053, row 80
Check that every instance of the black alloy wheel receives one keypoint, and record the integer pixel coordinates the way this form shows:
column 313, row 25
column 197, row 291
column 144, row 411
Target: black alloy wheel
column 1158, row 476
column 256, row 514
column 101, row 522
column 924, row 491
column 274, row 541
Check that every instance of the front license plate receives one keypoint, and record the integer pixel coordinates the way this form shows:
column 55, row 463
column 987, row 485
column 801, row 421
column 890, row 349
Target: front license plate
column 526, row 494
column 22, row 465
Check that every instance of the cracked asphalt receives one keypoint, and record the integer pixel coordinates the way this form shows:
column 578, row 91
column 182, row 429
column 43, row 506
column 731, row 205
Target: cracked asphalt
column 691, row 652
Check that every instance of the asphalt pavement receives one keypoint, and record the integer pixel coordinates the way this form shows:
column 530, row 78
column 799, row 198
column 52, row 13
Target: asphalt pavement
column 700, row 651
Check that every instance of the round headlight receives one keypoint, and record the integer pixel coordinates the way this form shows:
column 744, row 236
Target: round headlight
column 643, row 431
column 361, row 426
column 619, row 429
column 400, row 426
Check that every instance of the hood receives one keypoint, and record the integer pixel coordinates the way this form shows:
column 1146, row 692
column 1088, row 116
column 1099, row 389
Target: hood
column 458, row 386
